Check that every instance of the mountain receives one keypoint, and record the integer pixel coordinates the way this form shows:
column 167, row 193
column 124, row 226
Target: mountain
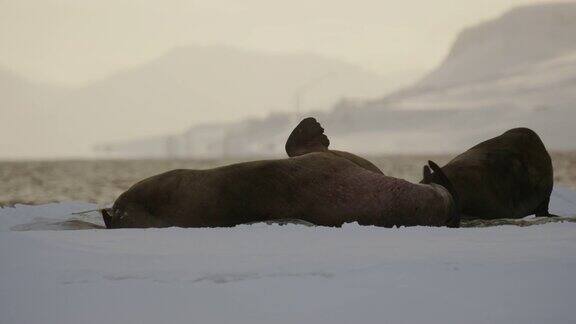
column 186, row 86
column 518, row 69
column 206, row 84
column 520, row 38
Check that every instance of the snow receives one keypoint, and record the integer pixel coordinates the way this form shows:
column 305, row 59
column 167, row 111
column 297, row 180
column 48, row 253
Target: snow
column 284, row 274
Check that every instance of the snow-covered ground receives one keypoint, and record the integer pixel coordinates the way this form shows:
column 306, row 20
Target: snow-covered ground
column 284, row 274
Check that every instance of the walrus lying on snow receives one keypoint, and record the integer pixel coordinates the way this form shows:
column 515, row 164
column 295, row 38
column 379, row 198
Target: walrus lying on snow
column 508, row 176
column 316, row 185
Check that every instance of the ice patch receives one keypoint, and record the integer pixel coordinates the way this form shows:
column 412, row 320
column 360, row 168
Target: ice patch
column 53, row 216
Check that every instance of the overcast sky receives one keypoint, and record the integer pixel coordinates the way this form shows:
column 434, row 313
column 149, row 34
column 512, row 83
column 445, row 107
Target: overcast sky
column 75, row 41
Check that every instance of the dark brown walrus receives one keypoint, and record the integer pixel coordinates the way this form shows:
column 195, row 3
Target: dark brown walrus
column 508, row 176
column 317, row 185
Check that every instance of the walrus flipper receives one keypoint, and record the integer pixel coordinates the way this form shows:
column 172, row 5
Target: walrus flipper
column 426, row 175
column 542, row 210
column 307, row 137
column 106, row 217
column 441, row 179
column 435, row 174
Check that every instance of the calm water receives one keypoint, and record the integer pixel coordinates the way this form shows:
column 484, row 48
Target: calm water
column 102, row 181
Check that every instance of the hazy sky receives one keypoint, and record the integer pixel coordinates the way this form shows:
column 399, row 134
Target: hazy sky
column 75, row 41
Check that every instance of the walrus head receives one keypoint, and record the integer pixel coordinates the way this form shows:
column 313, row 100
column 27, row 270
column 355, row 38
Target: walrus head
column 123, row 215
column 432, row 173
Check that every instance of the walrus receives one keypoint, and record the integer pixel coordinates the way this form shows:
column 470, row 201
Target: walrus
column 315, row 185
column 508, row 176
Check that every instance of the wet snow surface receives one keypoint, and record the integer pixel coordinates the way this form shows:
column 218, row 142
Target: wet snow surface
column 283, row 274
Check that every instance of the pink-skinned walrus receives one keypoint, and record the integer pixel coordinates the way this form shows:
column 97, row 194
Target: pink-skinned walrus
column 315, row 184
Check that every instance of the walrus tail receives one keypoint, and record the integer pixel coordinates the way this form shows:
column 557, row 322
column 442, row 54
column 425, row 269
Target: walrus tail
column 436, row 175
column 542, row 210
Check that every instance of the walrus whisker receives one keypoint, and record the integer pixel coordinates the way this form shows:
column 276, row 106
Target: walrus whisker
column 85, row 212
